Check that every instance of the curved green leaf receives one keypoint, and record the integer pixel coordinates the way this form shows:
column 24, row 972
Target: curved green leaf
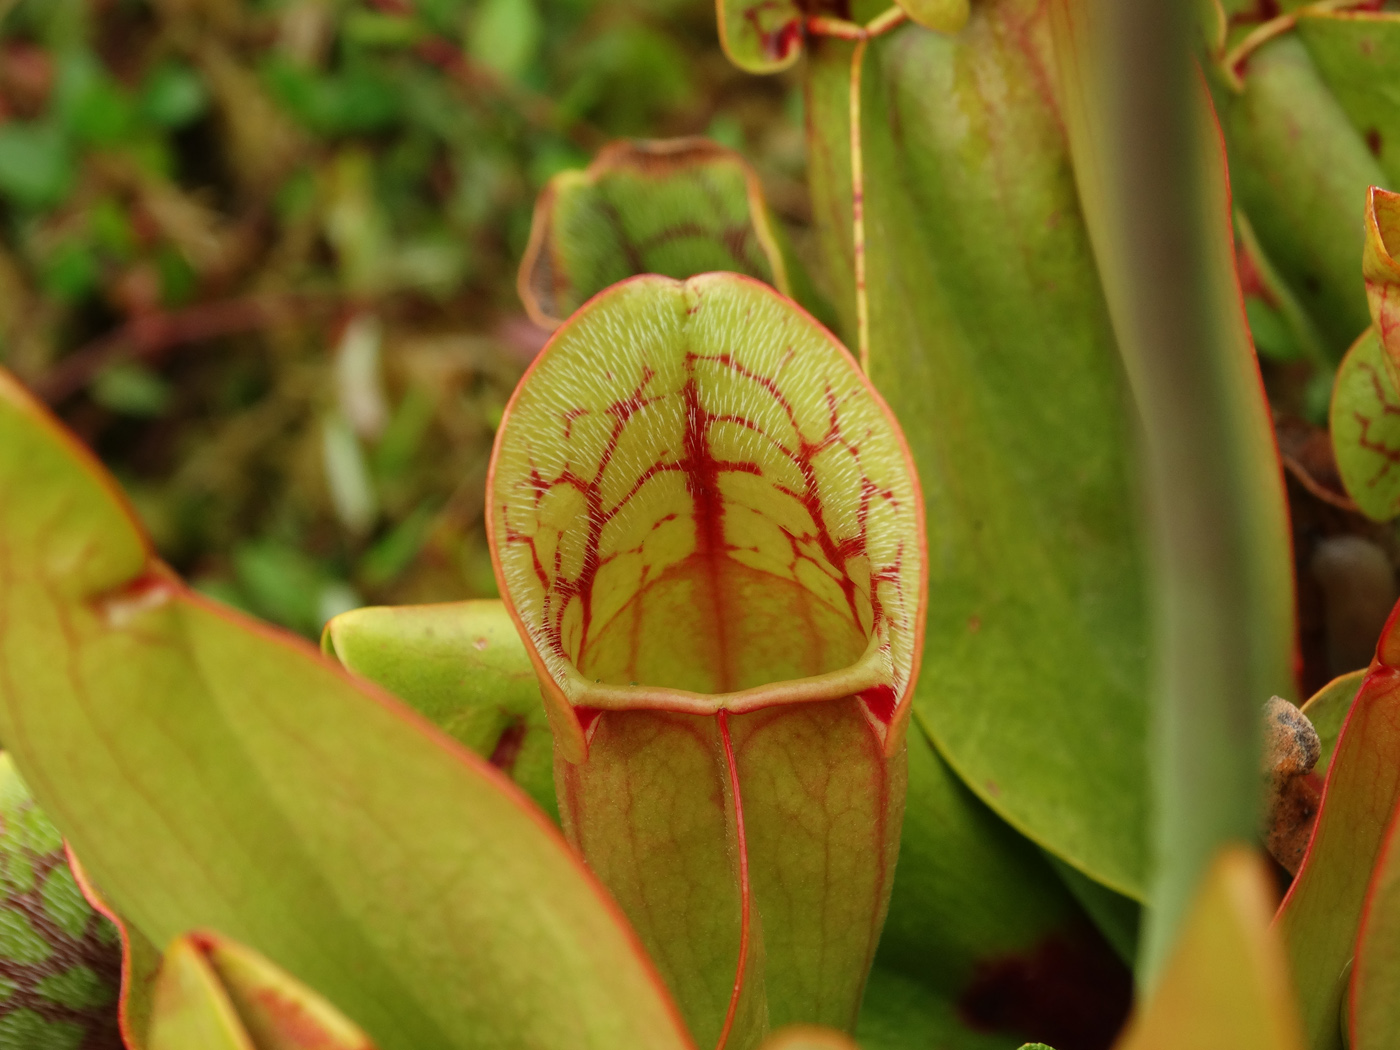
column 709, row 530
column 677, row 207
column 1357, row 53
column 1322, row 912
column 1304, row 204
column 213, row 773
column 1365, row 424
column 991, row 340
column 1372, row 1015
column 462, row 666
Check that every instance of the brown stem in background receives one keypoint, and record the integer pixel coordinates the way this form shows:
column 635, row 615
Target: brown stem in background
column 148, row 336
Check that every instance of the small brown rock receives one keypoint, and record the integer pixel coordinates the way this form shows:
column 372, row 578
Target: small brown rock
column 1290, row 751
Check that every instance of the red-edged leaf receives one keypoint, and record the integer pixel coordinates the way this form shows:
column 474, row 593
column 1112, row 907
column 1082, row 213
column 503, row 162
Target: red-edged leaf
column 1373, row 1009
column 1321, row 915
column 140, row 963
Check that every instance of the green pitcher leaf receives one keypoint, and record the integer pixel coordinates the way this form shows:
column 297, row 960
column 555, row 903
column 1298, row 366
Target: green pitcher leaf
column 59, row 959
column 676, row 207
column 1322, row 912
column 214, row 773
column 1305, row 205
column 1226, row 985
column 462, row 666
column 709, row 531
column 1357, row 53
column 990, row 338
column 210, row 984
column 1365, row 424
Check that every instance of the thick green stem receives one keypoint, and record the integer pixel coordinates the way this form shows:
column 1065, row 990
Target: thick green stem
column 1176, row 350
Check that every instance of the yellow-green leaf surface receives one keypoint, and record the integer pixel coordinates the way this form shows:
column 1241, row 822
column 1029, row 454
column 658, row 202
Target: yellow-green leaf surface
column 1304, row 204
column 462, row 666
column 1357, row 54
column 207, row 980
column 59, row 958
column 1226, row 985
column 990, row 338
column 760, row 36
column 1321, row 915
column 213, row 773
column 676, row 207
column 1365, row 424
column 710, row 533
column 1327, row 710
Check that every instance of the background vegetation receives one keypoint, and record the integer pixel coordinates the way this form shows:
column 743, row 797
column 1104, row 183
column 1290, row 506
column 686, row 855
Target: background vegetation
column 261, row 254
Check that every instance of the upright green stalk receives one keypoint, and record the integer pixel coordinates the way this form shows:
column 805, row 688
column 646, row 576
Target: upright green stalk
column 1148, row 163
column 1221, row 585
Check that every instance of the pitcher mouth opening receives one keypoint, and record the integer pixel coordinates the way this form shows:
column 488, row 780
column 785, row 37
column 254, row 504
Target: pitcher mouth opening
column 869, row 674
column 712, row 634
column 723, row 517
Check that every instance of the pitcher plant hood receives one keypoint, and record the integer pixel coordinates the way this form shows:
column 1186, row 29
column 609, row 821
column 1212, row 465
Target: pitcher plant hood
column 697, row 503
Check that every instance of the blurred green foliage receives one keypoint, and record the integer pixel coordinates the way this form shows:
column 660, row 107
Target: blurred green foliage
column 261, row 254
